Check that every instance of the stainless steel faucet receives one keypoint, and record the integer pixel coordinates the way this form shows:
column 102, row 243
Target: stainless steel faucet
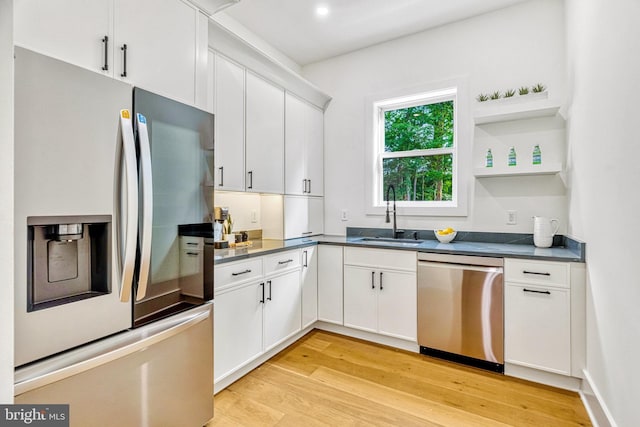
column 396, row 232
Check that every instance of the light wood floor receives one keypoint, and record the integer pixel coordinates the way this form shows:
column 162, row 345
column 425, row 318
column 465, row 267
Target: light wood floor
column 327, row 379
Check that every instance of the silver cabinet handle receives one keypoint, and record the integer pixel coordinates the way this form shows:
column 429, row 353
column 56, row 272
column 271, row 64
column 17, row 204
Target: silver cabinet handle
column 269, row 297
column 304, row 186
column 221, row 168
column 381, row 280
column 307, row 232
column 309, row 190
column 306, row 259
column 373, row 280
column 250, row 179
column 285, row 262
column 241, row 272
column 192, row 244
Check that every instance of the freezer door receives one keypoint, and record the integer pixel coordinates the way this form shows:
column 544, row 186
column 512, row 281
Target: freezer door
column 157, row 375
column 67, row 163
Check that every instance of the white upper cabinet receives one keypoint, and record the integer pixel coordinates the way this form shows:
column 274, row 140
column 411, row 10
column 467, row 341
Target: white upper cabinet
column 155, row 46
column 303, row 216
column 70, row 30
column 264, row 161
column 304, row 133
column 166, row 41
column 229, row 139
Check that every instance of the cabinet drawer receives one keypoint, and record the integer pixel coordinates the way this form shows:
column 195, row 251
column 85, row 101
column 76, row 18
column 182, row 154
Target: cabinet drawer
column 281, row 261
column 381, row 258
column 237, row 272
column 191, row 242
column 537, row 272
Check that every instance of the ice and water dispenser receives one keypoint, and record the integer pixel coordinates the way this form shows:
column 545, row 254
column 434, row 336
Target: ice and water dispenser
column 69, row 259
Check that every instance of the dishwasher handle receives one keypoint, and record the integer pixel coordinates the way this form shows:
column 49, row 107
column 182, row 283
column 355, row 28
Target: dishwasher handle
column 460, row 267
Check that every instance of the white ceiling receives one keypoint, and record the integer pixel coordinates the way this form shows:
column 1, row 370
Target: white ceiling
column 292, row 26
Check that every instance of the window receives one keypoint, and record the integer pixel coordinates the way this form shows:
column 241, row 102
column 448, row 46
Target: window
column 418, row 144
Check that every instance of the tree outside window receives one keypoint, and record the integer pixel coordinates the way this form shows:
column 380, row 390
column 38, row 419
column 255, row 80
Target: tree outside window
column 417, row 157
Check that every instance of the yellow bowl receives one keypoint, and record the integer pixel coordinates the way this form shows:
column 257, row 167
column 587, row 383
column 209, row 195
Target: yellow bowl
column 445, row 238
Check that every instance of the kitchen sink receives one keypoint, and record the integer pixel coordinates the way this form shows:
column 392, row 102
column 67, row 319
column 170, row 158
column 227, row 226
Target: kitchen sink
column 390, row 241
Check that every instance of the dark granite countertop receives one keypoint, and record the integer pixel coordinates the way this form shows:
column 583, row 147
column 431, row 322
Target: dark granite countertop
column 502, row 250
column 503, row 245
column 259, row 248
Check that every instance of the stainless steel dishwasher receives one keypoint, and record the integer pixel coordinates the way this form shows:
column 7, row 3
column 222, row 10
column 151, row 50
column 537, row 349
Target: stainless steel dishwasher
column 460, row 309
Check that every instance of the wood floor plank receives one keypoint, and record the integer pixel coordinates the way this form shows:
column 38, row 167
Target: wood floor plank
column 385, row 396
column 448, row 386
column 360, row 410
column 329, row 379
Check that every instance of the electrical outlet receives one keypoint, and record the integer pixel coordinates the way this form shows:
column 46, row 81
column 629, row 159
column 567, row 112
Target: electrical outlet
column 254, row 216
column 344, row 215
column 512, row 217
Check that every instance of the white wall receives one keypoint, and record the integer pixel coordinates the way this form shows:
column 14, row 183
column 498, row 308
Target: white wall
column 604, row 177
column 517, row 46
column 6, row 204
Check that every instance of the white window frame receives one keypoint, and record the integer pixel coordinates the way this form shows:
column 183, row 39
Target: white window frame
column 376, row 106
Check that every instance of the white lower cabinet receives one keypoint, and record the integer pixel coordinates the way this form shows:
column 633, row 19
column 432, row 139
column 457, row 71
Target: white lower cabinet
column 380, row 300
column 309, row 283
column 330, row 280
column 538, row 327
column 544, row 316
column 257, row 306
column 238, row 327
column 282, row 308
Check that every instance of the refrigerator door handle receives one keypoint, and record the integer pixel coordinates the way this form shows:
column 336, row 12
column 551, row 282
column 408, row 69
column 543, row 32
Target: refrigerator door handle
column 131, row 227
column 147, row 206
column 58, row 373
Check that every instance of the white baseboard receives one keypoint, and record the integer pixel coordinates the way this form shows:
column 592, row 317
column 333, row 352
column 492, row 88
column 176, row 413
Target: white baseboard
column 368, row 336
column 543, row 377
column 593, row 402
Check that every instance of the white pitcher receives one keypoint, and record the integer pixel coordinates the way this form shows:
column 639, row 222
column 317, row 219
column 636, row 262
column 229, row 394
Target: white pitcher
column 543, row 231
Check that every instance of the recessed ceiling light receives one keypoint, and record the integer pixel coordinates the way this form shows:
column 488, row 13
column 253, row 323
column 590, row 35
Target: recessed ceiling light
column 322, row 11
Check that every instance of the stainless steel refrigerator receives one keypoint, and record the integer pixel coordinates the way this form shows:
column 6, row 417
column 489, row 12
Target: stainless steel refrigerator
column 103, row 319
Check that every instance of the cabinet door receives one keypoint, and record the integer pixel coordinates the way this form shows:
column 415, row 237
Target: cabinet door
column 264, row 136
column 238, row 328
column 315, row 150
column 315, row 216
column 294, row 141
column 70, row 30
column 330, row 281
column 397, row 304
column 537, row 327
column 296, row 216
column 282, row 308
column 229, row 140
column 360, row 298
column 161, row 46
column 303, row 216
column 309, row 280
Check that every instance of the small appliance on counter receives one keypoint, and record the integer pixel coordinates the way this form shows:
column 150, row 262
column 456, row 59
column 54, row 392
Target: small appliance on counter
column 220, row 215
